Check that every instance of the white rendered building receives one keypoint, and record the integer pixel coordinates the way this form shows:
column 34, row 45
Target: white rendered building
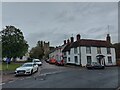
column 84, row 51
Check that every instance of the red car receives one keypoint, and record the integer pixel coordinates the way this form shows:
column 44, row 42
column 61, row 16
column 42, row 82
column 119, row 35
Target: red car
column 52, row 61
column 60, row 62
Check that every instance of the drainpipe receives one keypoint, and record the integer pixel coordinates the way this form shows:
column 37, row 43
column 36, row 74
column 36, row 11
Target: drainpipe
column 80, row 56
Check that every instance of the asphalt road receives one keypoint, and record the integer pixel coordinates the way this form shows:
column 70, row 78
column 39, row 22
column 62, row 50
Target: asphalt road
column 69, row 77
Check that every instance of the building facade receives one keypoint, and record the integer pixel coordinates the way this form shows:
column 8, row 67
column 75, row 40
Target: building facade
column 83, row 51
column 57, row 53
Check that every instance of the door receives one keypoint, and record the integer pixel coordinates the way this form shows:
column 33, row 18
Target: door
column 89, row 60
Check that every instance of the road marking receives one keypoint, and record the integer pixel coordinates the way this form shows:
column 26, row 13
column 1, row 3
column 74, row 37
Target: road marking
column 11, row 81
column 22, row 79
column 28, row 77
column 2, row 83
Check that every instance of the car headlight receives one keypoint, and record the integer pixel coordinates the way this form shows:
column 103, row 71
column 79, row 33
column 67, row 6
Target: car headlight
column 16, row 70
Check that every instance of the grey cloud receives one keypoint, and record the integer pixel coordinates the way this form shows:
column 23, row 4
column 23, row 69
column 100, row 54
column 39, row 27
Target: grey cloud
column 55, row 22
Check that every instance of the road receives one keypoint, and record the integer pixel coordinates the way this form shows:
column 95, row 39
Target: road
column 51, row 76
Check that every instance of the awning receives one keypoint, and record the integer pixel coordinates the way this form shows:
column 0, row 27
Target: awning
column 100, row 56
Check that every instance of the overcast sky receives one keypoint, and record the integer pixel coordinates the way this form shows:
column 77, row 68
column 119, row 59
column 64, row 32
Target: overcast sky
column 54, row 22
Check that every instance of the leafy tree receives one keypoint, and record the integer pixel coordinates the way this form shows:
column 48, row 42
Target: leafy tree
column 13, row 42
column 38, row 51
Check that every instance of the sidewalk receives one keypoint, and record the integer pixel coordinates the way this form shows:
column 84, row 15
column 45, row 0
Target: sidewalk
column 7, row 72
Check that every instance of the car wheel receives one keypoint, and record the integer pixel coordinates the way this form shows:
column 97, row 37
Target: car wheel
column 37, row 70
column 31, row 72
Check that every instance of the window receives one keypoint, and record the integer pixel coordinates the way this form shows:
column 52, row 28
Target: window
column 109, row 59
column 65, row 53
column 88, row 50
column 108, row 51
column 98, row 50
column 75, row 51
column 69, row 59
column 69, row 52
column 89, row 60
column 76, row 59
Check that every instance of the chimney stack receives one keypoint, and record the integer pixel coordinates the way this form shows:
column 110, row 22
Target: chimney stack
column 108, row 38
column 78, row 37
column 68, row 41
column 64, row 42
column 72, row 39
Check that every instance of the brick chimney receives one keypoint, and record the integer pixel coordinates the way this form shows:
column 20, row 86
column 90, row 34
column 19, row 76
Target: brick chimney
column 64, row 42
column 68, row 41
column 108, row 38
column 78, row 37
column 72, row 39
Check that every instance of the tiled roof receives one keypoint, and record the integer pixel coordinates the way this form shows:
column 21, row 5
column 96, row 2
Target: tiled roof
column 87, row 42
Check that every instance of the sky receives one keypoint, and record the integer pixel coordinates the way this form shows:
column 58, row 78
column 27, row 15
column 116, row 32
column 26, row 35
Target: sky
column 56, row 21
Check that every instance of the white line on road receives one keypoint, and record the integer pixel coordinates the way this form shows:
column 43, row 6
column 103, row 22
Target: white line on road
column 2, row 83
column 11, row 81
column 28, row 77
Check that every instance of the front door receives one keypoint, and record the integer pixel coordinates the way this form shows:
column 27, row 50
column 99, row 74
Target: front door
column 89, row 60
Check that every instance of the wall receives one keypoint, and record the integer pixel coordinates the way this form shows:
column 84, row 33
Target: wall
column 93, row 55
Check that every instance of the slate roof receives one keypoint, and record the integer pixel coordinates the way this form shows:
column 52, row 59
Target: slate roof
column 87, row 42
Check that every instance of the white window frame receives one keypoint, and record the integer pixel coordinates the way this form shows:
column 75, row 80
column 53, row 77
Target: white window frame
column 88, row 50
column 110, row 61
column 75, row 50
column 98, row 50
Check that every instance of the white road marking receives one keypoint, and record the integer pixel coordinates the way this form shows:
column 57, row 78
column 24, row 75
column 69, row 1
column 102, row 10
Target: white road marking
column 2, row 83
column 22, row 79
column 28, row 77
column 11, row 81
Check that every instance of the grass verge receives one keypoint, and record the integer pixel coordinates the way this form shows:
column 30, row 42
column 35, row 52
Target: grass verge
column 11, row 67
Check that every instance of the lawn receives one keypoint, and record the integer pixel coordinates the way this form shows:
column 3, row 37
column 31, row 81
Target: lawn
column 12, row 66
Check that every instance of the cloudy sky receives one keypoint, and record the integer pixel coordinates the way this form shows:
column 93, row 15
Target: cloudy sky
column 56, row 21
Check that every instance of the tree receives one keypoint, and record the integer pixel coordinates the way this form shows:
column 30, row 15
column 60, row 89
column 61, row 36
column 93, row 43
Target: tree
column 38, row 51
column 13, row 42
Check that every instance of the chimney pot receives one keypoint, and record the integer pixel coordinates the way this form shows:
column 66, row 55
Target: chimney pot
column 78, row 37
column 108, row 38
column 64, row 42
column 72, row 39
column 68, row 41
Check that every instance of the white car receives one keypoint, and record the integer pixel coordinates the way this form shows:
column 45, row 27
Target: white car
column 37, row 61
column 26, row 69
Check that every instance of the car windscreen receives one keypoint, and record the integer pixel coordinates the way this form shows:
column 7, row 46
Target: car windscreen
column 27, row 65
column 36, row 61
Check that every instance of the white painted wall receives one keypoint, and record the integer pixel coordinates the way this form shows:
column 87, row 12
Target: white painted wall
column 93, row 55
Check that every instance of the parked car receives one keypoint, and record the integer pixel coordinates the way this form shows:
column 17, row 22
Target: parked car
column 52, row 61
column 26, row 69
column 95, row 65
column 60, row 62
column 47, row 60
column 37, row 61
